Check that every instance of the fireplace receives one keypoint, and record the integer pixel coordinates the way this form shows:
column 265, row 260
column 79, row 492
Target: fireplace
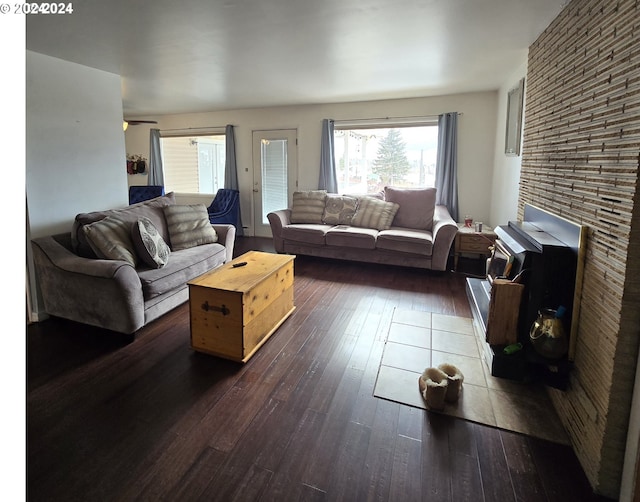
column 543, row 252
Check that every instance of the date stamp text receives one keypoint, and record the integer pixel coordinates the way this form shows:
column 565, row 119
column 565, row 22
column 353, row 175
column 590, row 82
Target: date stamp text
column 37, row 8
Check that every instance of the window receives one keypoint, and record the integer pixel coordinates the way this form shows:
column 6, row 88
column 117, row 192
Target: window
column 368, row 159
column 193, row 164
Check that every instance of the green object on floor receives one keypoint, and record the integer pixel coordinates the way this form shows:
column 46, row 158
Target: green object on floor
column 512, row 349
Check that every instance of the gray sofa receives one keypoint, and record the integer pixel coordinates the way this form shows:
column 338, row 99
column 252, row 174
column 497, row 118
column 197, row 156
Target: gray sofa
column 113, row 293
column 396, row 227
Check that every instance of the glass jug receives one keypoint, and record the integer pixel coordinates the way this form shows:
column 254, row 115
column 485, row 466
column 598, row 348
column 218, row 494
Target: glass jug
column 547, row 334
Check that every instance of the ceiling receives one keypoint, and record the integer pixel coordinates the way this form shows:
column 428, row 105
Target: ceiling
column 207, row 55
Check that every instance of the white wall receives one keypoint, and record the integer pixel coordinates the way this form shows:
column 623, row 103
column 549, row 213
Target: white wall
column 75, row 159
column 506, row 170
column 476, row 139
column 75, row 155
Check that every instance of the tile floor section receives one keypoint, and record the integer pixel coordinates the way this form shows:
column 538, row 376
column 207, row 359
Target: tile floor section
column 418, row 340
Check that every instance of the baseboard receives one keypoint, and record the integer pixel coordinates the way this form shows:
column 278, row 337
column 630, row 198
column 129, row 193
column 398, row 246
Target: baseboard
column 35, row 316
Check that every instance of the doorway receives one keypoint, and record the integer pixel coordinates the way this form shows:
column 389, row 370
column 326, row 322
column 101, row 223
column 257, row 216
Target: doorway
column 275, row 170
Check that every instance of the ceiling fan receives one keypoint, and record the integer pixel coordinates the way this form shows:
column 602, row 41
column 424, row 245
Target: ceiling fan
column 127, row 123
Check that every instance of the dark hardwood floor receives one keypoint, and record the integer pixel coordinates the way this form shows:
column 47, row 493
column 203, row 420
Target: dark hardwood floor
column 113, row 420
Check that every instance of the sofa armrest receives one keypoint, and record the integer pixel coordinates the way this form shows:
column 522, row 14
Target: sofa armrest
column 226, row 237
column 104, row 293
column 444, row 233
column 278, row 220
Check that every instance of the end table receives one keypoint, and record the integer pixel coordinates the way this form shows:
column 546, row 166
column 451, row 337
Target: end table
column 468, row 241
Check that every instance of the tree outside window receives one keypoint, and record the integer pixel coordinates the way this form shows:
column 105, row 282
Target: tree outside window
column 369, row 159
column 391, row 166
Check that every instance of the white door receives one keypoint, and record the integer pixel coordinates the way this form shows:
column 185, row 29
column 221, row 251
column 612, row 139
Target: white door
column 275, row 169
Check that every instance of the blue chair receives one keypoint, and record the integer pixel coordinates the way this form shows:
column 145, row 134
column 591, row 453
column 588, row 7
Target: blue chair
column 139, row 193
column 225, row 208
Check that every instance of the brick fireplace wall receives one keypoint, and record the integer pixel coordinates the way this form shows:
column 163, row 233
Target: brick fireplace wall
column 580, row 160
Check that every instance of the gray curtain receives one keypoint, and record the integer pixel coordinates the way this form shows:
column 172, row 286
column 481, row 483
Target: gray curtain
column 447, row 163
column 328, row 179
column 156, row 174
column 231, row 169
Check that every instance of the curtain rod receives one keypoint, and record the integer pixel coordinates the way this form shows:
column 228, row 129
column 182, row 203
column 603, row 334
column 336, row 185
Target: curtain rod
column 393, row 118
column 188, row 129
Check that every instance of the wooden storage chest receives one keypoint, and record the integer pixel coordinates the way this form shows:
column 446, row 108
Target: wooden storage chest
column 234, row 310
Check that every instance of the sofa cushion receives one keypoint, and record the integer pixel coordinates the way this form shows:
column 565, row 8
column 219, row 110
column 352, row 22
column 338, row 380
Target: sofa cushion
column 308, row 206
column 339, row 209
column 307, row 233
column 417, row 206
column 352, row 237
column 149, row 244
column 374, row 213
column 184, row 265
column 151, row 209
column 406, row 240
column 189, row 226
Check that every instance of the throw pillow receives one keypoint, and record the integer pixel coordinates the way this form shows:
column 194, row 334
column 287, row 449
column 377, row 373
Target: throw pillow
column 110, row 239
column 149, row 244
column 308, row 206
column 151, row 209
column 339, row 209
column 374, row 213
column 189, row 226
column 417, row 206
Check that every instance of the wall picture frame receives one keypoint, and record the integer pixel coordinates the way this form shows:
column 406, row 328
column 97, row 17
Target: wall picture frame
column 515, row 99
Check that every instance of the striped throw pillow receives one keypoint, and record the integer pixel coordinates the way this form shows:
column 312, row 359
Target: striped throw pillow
column 110, row 239
column 374, row 213
column 189, row 226
column 308, row 206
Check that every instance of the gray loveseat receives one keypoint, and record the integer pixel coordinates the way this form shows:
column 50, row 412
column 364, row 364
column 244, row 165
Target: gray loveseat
column 396, row 227
column 118, row 294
